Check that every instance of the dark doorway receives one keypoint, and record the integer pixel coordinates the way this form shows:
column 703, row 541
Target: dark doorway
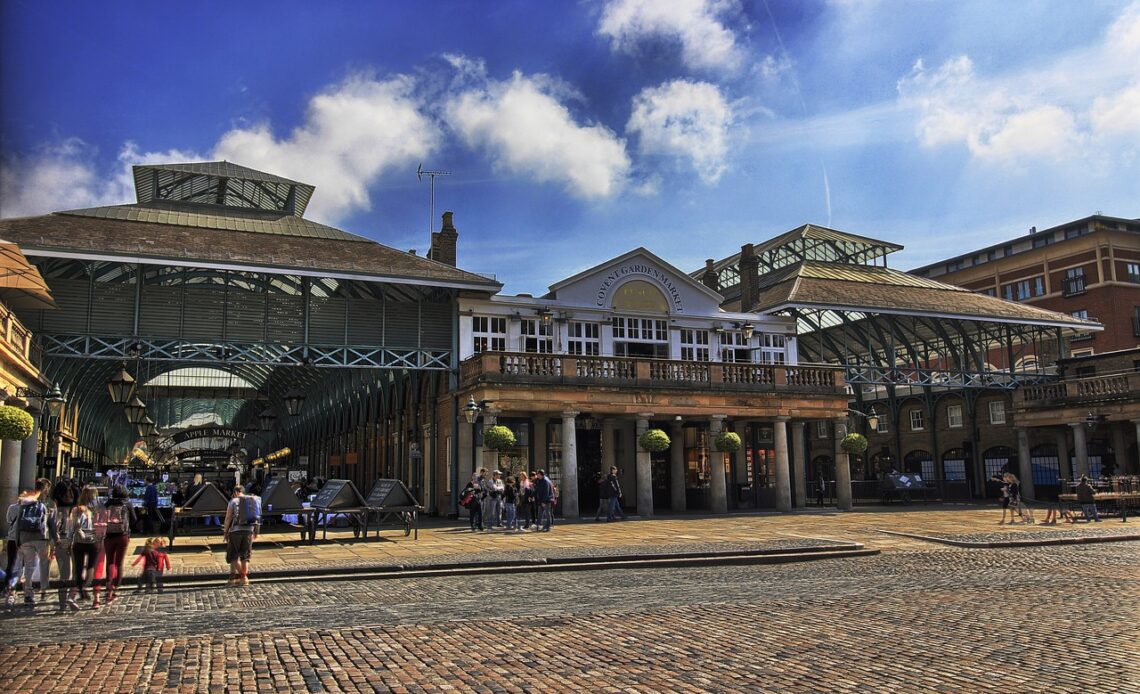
column 661, row 480
column 589, row 443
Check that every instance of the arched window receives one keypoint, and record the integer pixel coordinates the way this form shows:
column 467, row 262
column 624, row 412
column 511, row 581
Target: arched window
column 919, row 462
column 1045, row 464
column 639, row 295
column 1000, row 459
column 954, row 464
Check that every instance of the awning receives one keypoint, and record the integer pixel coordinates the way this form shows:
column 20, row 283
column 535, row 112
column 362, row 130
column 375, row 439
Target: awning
column 21, row 285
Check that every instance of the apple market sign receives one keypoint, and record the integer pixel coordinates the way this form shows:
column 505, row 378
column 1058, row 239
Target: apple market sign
column 637, row 269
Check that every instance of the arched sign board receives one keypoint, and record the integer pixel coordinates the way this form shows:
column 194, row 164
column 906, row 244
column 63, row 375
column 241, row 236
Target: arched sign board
column 337, row 495
column 278, row 497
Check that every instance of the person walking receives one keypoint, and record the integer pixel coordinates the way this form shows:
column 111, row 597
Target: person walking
column 150, row 504
column 81, row 530
column 544, row 497
column 154, row 562
column 603, row 485
column 35, row 542
column 118, row 517
column 470, row 499
column 614, row 483
column 1086, row 497
column 61, row 548
column 12, row 545
column 242, row 525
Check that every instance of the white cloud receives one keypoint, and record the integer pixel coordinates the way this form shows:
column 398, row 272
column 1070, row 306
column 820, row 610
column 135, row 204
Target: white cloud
column 1081, row 105
column 352, row 133
column 684, row 119
column 705, row 41
column 526, row 130
column 66, row 176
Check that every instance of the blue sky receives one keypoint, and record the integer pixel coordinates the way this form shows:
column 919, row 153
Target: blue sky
column 576, row 131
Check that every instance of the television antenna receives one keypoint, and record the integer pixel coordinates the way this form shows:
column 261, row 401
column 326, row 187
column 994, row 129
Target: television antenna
column 420, row 173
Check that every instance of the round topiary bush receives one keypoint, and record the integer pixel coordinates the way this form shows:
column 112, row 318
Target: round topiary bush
column 728, row 441
column 654, row 440
column 854, row 443
column 499, row 438
column 15, row 424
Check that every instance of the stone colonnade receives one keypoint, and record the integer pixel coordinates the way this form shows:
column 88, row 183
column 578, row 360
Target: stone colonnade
column 789, row 460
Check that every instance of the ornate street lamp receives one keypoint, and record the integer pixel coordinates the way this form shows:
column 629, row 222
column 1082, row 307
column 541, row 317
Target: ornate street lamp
column 294, row 401
column 146, row 426
column 135, row 410
column 54, row 401
column 471, row 410
column 121, row 385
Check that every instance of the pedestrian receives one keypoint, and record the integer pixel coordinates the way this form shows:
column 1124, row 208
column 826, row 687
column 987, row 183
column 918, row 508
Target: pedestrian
column 150, row 505
column 1005, row 499
column 510, row 504
column 470, row 499
column 154, row 561
column 1086, row 497
column 603, row 485
column 496, row 494
column 242, row 525
column 1017, row 504
column 85, row 542
column 62, row 551
column 614, row 483
column 118, row 516
column 820, row 489
column 12, row 546
column 34, row 539
column 525, row 500
column 544, row 497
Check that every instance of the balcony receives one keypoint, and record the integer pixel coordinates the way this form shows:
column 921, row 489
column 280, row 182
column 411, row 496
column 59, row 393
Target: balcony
column 18, row 339
column 1095, row 389
column 573, row 369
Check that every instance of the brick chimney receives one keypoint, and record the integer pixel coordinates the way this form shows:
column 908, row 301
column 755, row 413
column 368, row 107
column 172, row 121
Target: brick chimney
column 443, row 242
column 749, row 277
column 709, row 279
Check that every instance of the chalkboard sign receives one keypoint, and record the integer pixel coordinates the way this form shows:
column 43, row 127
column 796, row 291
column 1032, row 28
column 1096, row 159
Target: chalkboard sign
column 338, row 494
column 390, row 494
column 905, row 481
column 278, row 497
column 207, row 500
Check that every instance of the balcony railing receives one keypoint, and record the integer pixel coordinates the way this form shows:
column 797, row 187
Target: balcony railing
column 574, row 368
column 1092, row 389
column 18, row 338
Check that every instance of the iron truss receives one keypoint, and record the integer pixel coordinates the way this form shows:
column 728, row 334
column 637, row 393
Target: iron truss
column 215, row 353
column 1000, row 380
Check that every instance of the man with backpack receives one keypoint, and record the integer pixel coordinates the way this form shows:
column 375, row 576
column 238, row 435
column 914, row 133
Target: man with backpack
column 241, row 527
column 35, row 530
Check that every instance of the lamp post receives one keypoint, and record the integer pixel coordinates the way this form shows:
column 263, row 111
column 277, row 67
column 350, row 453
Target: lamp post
column 121, row 385
column 294, row 400
column 135, row 410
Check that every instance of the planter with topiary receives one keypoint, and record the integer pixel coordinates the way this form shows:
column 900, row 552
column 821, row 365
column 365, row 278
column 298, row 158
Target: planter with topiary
column 499, row 438
column 728, row 441
column 654, row 441
column 15, row 424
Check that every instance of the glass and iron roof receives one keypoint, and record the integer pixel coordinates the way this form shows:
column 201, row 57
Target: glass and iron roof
column 221, row 183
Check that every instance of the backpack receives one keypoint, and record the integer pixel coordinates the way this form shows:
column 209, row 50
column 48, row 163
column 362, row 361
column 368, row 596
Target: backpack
column 33, row 518
column 468, row 498
column 84, row 529
column 117, row 520
column 250, row 510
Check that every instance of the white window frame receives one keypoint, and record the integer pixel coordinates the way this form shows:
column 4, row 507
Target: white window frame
column 821, row 429
column 536, row 336
column 997, row 411
column 917, row 420
column 954, row 416
column 734, row 348
column 773, row 348
column 488, row 334
column 882, row 427
column 584, row 338
column 695, row 344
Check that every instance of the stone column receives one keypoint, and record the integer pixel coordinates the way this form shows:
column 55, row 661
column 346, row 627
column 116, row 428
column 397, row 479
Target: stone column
column 717, row 487
column 1120, row 446
column 1134, row 464
column 9, row 475
column 490, row 455
column 464, row 455
column 1064, row 468
column 30, row 446
column 677, row 465
column 569, row 465
column 609, row 458
column 644, row 470
column 1080, row 450
column 842, row 468
column 1024, row 465
column 799, row 475
column 783, row 474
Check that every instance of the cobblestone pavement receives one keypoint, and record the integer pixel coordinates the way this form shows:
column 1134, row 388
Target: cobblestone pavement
column 929, row 618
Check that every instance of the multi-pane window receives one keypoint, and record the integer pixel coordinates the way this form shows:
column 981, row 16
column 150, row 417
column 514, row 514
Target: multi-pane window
column 917, row 421
column 1024, row 289
column 1132, row 272
column 694, row 344
column 733, row 347
column 773, row 349
column 882, row 427
column 1082, row 313
column 537, row 335
column 997, row 412
column 582, row 338
column 640, row 337
column 954, row 416
column 488, row 334
column 1074, row 281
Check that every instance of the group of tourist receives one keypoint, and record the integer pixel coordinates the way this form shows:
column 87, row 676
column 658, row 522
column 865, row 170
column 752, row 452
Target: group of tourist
column 1013, row 503
column 87, row 537
column 517, row 504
